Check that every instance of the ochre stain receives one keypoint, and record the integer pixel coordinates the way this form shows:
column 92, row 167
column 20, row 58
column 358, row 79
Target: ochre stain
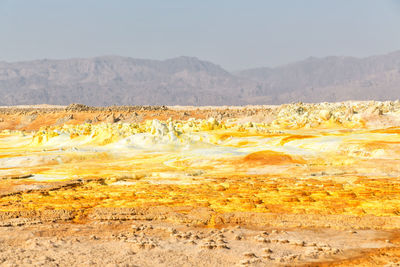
column 269, row 157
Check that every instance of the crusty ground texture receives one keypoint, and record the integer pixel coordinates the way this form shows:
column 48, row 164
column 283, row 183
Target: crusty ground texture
column 291, row 185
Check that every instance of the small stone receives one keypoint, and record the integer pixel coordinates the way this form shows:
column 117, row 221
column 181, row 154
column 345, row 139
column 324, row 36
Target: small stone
column 298, row 243
column 220, row 240
column 244, row 262
column 238, row 237
column 336, row 251
column 325, row 114
column 249, row 255
column 172, row 230
column 93, row 237
column 208, row 246
column 268, row 257
column 267, row 250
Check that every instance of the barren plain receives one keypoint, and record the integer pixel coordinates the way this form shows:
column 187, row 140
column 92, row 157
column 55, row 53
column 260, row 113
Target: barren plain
column 296, row 184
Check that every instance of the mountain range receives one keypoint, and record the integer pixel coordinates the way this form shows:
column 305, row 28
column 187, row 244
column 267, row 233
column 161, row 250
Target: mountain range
column 115, row 80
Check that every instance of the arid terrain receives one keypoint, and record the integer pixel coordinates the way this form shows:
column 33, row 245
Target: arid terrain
column 291, row 185
column 115, row 80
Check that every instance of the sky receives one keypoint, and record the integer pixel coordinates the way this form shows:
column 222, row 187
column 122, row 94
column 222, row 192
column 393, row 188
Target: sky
column 236, row 34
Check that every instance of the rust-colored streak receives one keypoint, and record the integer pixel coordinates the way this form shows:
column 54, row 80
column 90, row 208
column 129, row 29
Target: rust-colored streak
column 294, row 137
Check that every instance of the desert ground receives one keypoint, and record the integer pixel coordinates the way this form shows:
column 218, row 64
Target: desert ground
column 290, row 185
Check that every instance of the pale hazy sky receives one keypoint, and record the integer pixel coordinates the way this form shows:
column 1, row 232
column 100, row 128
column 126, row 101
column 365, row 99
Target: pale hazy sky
column 232, row 33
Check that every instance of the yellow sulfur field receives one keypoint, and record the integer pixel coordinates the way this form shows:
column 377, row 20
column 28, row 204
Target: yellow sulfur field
column 324, row 165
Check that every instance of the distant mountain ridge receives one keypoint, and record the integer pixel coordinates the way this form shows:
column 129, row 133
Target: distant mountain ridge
column 331, row 79
column 115, row 80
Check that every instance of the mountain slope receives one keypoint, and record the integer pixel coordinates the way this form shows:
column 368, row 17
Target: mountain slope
column 331, row 79
column 113, row 80
column 117, row 80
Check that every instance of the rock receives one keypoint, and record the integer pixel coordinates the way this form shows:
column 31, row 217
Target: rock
column 244, row 262
column 298, row 243
column 65, row 119
column 249, row 255
column 268, row 257
column 111, row 119
column 196, row 237
column 267, row 250
column 336, row 251
column 77, row 107
column 172, row 230
column 208, row 245
column 220, row 236
column 262, row 239
column 238, row 237
column 220, row 240
column 93, row 237
column 325, row 114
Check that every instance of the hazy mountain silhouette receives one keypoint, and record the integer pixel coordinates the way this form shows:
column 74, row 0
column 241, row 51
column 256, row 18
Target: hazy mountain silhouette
column 331, row 79
column 118, row 80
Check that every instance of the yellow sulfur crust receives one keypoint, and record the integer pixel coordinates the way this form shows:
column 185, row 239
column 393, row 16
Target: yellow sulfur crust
column 336, row 167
